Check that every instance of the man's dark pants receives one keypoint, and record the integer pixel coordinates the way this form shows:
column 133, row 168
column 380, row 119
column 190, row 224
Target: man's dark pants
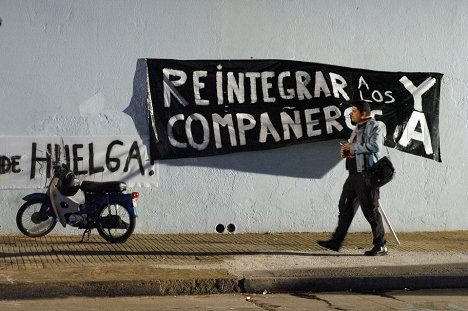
column 356, row 192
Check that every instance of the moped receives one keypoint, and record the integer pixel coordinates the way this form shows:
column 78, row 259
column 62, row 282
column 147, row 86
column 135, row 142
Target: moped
column 106, row 207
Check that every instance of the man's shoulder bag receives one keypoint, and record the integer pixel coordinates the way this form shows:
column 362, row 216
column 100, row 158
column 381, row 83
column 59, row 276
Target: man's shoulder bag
column 380, row 173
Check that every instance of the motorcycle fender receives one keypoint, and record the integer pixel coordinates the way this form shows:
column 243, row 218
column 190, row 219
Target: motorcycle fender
column 37, row 196
column 126, row 201
column 43, row 197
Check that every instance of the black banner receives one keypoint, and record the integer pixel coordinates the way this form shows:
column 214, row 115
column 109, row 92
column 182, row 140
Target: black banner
column 212, row 107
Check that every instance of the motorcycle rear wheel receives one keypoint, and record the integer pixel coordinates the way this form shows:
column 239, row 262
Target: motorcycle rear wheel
column 29, row 222
column 115, row 224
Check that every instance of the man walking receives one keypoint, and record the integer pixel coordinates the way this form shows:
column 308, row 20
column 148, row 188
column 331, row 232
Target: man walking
column 361, row 152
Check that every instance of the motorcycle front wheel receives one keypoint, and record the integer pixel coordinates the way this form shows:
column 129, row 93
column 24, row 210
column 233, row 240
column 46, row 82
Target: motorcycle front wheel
column 115, row 224
column 30, row 221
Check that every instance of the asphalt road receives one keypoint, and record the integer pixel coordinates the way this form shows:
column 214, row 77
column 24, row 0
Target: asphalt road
column 442, row 299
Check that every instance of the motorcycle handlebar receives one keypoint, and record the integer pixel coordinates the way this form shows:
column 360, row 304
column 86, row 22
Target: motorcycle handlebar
column 59, row 168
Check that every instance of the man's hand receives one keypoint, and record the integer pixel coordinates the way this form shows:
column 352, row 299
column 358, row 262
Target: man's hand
column 344, row 150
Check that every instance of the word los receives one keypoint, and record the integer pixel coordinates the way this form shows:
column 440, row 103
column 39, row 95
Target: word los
column 74, row 158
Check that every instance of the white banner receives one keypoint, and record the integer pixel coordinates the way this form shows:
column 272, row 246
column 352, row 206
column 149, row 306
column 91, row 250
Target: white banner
column 26, row 162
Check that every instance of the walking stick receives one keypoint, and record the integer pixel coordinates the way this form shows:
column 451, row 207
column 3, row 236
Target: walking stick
column 388, row 222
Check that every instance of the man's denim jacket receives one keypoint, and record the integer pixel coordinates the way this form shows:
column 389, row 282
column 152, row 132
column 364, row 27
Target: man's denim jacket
column 369, row 144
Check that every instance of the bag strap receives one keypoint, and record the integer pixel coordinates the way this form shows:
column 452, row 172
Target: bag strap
column 364, row 138
column 386, row 148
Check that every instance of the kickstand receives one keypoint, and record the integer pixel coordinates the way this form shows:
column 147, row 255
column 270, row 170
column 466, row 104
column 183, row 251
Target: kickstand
column 88, row 231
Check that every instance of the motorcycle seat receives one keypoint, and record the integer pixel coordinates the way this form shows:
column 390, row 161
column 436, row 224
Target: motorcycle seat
column 103, row 187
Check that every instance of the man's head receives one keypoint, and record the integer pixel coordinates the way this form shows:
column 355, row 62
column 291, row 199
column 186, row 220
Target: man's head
column 360, row 111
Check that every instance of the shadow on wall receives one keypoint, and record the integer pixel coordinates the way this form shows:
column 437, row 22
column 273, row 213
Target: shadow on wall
column 312, row 160
column 301, row 161
column 138, row 107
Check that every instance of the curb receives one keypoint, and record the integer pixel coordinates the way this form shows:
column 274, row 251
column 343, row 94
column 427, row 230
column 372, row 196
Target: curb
column 225, row 286
column 359, row 278
column 116, row 289
column 114, row 281
column 147, row 281
column 307, row 284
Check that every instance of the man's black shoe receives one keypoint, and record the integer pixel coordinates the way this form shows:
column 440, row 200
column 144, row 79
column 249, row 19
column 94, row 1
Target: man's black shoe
column 377, row 251
column 330, row 245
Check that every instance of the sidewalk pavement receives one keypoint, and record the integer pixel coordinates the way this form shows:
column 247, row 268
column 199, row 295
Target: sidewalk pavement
column 190, row 264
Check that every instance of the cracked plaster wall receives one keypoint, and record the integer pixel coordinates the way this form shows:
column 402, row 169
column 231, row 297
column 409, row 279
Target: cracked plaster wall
column 70, row 68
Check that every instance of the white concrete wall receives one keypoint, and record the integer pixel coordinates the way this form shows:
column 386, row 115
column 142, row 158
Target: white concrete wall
column 57, row 57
